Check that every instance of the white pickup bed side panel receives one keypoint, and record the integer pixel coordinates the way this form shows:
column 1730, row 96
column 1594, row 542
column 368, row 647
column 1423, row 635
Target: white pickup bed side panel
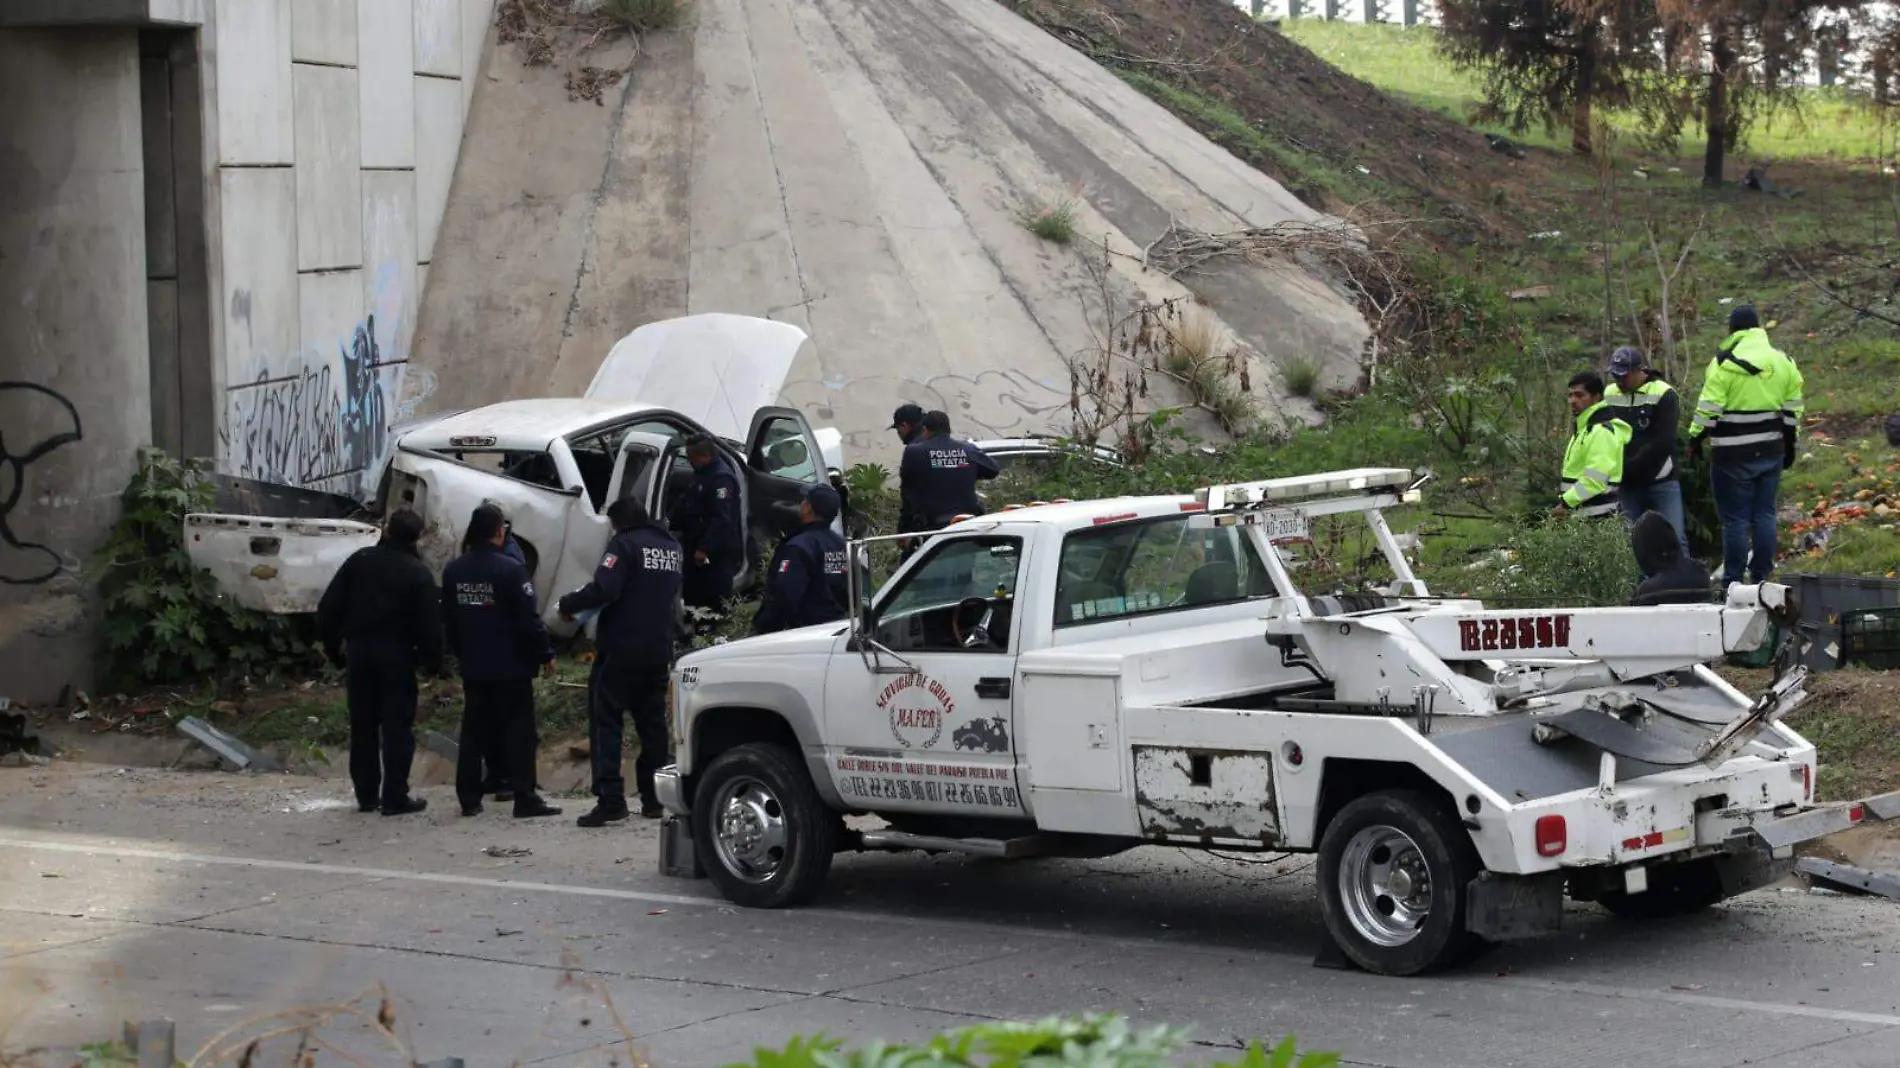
column 279, row 566
column 1098, row 782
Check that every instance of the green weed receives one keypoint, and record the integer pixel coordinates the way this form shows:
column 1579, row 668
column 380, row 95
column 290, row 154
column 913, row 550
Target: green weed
column 1300, row 376
column 1053, row 221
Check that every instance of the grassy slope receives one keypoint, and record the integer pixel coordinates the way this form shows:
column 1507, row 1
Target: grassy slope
column 1751, row 248
column 1824, row 125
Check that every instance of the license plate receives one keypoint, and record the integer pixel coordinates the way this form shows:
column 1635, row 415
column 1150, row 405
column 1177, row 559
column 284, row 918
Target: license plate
column 1282, row 526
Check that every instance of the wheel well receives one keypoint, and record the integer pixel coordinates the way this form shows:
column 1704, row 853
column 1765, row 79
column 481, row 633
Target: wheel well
column 719, row 729
column 1344, row 780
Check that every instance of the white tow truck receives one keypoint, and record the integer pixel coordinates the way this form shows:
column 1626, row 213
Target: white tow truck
column 1080, row 678
column 555, row 464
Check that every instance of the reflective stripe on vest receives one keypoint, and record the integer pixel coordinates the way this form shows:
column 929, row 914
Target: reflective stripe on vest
column 1600, row 505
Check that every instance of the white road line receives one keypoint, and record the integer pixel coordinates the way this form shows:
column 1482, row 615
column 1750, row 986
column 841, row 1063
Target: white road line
column 1546, row 985
column 1708, row 1001
column 365, row 873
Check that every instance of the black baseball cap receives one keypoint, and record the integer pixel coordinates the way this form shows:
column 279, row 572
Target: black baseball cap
column 1626, row 359
column 907, row 413
column 824, row 501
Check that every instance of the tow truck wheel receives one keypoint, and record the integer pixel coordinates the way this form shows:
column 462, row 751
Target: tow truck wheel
column 1393, row 871
column 766, row 836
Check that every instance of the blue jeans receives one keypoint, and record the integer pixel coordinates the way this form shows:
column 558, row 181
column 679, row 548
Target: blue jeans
column 1745, row 493
column 1664, row 497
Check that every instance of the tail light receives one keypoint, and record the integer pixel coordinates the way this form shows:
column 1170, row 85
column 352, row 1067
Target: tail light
column 1807, row 784
column 1553, row 837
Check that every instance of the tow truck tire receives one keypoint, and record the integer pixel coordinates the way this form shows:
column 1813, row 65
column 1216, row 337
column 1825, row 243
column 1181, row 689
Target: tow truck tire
column 763, row 834
column 1374, row 857
column 1674, row 890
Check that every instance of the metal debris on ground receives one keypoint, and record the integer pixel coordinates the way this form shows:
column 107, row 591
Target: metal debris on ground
column 441, row 745
column 508, row 851
column 233, row 752
column 1845, row 877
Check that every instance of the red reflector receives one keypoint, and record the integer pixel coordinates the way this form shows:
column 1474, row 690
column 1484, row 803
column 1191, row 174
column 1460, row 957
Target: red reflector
column 1630, row 845
column 1857, row 813
column 1807, row 782
column 1194, row 506
column 1552, row 836
column 1100, row 519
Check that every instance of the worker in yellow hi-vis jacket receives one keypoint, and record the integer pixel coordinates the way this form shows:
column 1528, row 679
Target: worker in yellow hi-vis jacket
column 1593, row 461
column 1749, row 413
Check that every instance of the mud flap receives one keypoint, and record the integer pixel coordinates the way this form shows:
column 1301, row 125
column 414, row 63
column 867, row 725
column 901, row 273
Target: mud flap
column 678, row 858
column 1750, row 868
column 1511, row 908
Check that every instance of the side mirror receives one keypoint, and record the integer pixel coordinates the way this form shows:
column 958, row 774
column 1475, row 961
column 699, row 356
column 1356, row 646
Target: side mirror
column 859, row 573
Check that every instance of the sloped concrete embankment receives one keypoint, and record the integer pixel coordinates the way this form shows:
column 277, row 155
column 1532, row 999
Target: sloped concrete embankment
column 856, row 167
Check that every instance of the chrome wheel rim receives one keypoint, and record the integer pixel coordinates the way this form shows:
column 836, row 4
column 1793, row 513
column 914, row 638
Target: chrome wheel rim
column 749, row 830
column 1385, row 885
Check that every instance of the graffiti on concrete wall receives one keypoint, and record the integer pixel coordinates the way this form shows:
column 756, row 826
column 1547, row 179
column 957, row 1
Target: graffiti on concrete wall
column 50, row 423
column 320, row 426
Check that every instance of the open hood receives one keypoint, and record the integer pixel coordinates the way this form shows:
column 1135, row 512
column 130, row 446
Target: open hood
column 715, row 368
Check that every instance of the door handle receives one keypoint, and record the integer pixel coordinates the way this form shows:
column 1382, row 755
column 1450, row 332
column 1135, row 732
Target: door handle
column 994, row 688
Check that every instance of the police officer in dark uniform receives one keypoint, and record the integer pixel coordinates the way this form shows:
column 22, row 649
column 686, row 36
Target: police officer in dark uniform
column 637, row 590
column 494, row 779
column 495, row 632
column 383, row 611
column 907, row 420
column 805, row 582
column 937, row 478
column 709, row 527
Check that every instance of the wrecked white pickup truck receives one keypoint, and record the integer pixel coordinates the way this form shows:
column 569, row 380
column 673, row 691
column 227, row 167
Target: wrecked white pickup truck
column 554, row 465
column 1080, row 678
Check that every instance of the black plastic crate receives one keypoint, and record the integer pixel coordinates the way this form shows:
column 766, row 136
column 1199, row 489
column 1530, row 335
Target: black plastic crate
column 1870, row 638
column 1825, row 601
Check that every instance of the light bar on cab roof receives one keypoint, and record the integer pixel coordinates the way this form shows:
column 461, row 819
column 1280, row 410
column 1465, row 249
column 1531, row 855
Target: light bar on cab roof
column 1243, row 495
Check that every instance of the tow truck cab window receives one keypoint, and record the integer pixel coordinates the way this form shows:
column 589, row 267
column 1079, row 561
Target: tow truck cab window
column 934, row 608
column 1140, row 567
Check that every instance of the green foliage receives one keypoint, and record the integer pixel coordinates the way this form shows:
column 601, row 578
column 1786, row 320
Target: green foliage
column 644, row 16
column 106, row 1055
column 164, row 618
column 1548, row 564
column 1815, row 123
column 1105, row 1041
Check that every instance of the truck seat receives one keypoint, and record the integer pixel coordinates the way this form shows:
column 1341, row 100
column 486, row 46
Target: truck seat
column 1213, row 583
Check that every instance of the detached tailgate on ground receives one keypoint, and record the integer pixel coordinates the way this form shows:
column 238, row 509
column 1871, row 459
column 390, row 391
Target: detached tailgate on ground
column 280, row 566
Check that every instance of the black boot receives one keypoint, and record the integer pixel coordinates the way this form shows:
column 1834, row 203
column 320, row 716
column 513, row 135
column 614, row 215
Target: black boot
column 406, row 806
column 534, row 807
column 605, row 812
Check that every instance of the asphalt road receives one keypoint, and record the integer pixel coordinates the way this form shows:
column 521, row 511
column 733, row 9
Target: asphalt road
column 214, row 899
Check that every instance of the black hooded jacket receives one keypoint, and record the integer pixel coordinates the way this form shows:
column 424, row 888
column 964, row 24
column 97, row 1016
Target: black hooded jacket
column 1668, row 576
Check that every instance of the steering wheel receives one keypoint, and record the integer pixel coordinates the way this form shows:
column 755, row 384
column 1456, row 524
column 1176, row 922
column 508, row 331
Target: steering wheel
column 978, row 635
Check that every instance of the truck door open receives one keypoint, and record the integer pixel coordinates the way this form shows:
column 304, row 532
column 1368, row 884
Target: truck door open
column 783, row 460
